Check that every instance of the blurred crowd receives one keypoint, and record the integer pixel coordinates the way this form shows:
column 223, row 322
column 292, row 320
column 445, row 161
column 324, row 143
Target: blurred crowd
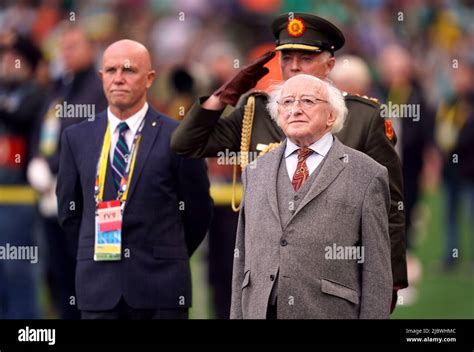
column 418, row 53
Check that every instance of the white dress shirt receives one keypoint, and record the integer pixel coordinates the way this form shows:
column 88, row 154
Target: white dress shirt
column 133, row 123
column 320, row 148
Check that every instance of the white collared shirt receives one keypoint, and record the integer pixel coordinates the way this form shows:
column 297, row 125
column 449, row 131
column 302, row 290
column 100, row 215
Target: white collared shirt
column 133, row 123
column 320, row 148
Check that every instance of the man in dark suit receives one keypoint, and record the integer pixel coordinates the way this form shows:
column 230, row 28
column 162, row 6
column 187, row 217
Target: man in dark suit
column 164, row 208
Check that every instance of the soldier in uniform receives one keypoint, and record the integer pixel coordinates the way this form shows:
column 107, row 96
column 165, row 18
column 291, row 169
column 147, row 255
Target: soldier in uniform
column 307, row 44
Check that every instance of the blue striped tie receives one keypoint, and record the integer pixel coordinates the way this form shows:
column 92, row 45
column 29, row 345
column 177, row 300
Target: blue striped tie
column 119, row 162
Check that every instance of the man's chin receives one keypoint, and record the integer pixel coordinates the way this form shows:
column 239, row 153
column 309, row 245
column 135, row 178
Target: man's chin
column 297, row 128
column 120, row 104
column 297, row 136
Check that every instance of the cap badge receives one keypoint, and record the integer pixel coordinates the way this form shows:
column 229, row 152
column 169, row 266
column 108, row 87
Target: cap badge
column 296, row 27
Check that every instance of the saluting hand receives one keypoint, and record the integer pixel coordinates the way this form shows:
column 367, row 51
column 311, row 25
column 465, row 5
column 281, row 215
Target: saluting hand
column 244, row 80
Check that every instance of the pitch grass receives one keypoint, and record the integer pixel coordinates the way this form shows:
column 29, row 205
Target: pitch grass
column 441, row 294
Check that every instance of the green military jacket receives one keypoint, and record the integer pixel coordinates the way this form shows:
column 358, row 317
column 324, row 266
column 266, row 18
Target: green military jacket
column 203, row 133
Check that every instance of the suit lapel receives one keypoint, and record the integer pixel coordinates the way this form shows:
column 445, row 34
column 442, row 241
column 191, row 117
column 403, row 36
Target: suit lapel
column 150, row 131
column 331, row 168
column 98, row 134
column 97, row 141
column 272, row 176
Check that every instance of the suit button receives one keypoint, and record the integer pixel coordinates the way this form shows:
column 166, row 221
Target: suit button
column 272, row 277
column 283, row 243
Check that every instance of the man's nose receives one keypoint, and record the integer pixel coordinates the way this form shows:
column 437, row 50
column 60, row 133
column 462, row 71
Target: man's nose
column 296, row 109
column 295, row 65
column 118, row 77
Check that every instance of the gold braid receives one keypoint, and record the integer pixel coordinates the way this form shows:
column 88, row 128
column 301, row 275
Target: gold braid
column 247, row 122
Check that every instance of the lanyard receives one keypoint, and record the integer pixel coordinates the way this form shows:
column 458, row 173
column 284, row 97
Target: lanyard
column 122, row 193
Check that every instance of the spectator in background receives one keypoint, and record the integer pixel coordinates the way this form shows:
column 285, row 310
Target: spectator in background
column 352, row 75
column 79, row 88
column 455, row 139
column 400, row 89
column 20, row 99
column 413, row 120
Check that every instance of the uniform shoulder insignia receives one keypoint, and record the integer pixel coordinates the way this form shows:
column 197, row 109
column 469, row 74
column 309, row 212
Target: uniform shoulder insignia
column 389, row 129
column 256, row 93
column 363, row 98
column 375, row 100
column 260, row 93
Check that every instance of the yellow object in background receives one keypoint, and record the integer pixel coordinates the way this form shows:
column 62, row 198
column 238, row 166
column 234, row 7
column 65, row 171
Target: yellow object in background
column 17, row 195
column 222, row 193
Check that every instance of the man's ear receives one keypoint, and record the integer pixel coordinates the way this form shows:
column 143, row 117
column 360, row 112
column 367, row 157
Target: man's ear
column 331, row 119
column 150, row 78
column 330, row 64
column 101, row 75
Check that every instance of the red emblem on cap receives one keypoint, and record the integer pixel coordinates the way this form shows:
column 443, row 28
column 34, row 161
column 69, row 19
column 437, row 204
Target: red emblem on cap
column 296, row 27
column 388, row 129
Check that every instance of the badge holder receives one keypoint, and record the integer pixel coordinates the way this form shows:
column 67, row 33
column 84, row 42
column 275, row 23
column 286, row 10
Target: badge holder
column 108, row 232
column 108, row 217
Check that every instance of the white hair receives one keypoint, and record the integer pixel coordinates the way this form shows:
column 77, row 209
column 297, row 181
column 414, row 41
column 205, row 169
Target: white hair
column 335, row 100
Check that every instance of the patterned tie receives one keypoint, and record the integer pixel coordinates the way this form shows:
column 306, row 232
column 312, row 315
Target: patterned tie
column 302, row 172
column 119, row 162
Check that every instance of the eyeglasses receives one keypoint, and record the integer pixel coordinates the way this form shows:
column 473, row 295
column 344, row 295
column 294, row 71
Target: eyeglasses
column 306, row 103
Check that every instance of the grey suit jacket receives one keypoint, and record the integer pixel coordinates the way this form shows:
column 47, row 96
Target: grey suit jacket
column 345, row 208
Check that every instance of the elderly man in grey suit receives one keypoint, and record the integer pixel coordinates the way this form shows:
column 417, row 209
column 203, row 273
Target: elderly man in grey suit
column 312, row 240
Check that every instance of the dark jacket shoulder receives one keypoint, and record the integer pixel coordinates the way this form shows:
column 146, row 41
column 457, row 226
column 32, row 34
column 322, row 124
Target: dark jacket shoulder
column 361, row 102
column 260, row 97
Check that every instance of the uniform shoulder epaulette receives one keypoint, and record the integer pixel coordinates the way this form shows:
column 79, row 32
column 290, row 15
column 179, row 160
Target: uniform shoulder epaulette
column 373, row 102
column 362, row 98
column 253, row 93
column 256, row 93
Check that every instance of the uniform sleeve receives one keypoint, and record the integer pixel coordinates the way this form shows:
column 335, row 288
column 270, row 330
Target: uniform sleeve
column 381, row 149
column 203, row 133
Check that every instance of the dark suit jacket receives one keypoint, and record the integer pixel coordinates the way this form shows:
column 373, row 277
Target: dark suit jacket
column 165, row 219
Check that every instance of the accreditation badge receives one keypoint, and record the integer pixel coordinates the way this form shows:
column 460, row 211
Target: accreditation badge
column 108, row 231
